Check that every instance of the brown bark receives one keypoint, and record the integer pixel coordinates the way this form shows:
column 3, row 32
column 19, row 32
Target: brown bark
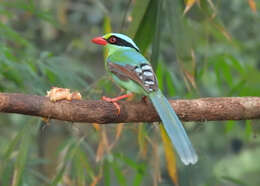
column 97, row 111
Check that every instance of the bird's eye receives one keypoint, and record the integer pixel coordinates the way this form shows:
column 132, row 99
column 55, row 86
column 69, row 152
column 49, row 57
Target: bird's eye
column 112, row 39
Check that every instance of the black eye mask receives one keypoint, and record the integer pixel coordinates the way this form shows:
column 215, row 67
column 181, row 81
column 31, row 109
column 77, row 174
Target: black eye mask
column 121, row 42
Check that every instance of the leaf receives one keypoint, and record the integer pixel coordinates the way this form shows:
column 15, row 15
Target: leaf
column 106, row 168
column 100, row 151
column 97, row 178
column 236, row 64
column 62, row 15
column 7, row 174
column 138, row 13
column 170, row 156
column 107, row 29
column 96, row 126
column 156, row 164
column 223, row 30
column 170, row 84
column 188, row 5
column 226, row 72
column 127, row 160
column 119, row 129
column 157, row 36
column 103, row 146
column 223, row 71
column 142, row 28
column 11, row 146
column 248, row 130
column 66, row 156
column 190, row 77
column 137, row 166
column 12, row 35
column 236, row 88
column 22, row 156
column 182, row 39
column 118, row 173
column 234, row 180
column 141, row 140
column 140, row 173
column 167, row 81
column 58, row 176
column 160, row 75
column 79, row 170
column 229, row 125
column 252, row 5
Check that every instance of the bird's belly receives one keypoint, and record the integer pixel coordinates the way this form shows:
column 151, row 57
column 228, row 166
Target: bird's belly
column 129, row 85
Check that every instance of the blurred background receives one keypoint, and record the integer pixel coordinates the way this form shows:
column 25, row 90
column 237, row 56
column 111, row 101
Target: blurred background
column 203, row 48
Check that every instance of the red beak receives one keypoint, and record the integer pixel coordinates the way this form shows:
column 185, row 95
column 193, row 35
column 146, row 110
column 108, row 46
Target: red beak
column 99, row 41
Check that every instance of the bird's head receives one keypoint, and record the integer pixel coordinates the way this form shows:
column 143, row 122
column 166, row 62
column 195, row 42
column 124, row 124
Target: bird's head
column 115, row 42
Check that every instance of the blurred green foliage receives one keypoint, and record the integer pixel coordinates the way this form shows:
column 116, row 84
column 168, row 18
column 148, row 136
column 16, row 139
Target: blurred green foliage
column 212, row 50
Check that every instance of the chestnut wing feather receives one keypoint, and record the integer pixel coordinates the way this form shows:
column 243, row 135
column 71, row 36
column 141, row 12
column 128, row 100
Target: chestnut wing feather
column 145, row 78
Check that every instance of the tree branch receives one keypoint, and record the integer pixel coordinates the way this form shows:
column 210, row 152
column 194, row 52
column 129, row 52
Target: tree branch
column 203, row 109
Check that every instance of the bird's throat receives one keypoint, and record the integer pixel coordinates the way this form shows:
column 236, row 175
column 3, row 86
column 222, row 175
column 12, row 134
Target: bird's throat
column 111, row 49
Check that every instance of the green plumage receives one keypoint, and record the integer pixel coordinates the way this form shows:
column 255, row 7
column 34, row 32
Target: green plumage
column 123, row 57
column 133, row 72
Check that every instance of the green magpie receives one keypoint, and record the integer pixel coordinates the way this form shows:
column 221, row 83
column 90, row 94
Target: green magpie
column 133, row 72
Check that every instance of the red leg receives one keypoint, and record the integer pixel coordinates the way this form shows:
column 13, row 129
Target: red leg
column 145, row 99
column 114, row 100
column 117, row 98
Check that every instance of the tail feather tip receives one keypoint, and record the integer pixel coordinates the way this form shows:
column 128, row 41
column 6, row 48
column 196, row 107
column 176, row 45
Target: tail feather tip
column 190, row 161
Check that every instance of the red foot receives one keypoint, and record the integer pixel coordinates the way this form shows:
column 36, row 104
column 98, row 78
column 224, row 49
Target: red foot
column 145, row 99
column 114, row 100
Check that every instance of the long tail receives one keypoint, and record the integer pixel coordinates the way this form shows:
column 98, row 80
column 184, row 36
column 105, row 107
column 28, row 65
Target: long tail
column 174, row 128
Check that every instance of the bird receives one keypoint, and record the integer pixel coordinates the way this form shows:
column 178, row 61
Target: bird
column 134, row 73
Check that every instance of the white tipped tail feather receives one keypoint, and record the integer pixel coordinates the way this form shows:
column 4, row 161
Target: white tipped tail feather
column 174, row 128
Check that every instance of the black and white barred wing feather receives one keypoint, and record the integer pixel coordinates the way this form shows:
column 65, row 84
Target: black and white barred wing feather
column 142, row 74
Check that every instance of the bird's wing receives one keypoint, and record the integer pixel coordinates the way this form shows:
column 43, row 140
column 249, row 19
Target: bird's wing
column 141, row 74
